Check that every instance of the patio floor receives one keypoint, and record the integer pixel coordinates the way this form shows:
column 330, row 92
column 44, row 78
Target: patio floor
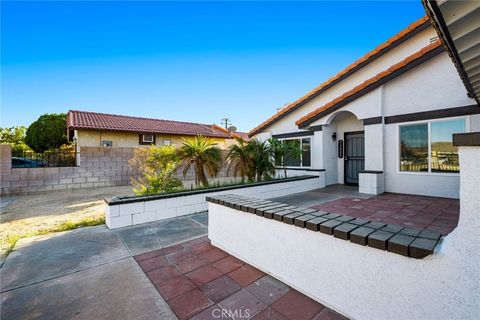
column 200, row 281
column 89, row 273
column 438, row 214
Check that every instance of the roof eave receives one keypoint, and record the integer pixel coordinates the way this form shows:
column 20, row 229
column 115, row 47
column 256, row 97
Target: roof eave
column 297, row 104
column 439, row 24
column 302, row 124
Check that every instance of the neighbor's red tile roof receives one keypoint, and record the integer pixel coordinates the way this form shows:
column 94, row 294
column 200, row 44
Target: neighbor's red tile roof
column 366, row 59
column 113, row 122
column 236, row 134
column 370, row 82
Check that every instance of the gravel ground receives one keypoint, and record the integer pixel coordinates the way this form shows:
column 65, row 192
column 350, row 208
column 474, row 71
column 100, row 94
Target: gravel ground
column 30, row 213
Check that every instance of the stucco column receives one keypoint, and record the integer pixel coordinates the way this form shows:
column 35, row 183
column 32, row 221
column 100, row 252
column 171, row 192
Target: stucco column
column 317, row 150
column 461, row 246
column 371, row 179
column 464, row 237
column 329, row 154
column 5, row 158
column 374, row 147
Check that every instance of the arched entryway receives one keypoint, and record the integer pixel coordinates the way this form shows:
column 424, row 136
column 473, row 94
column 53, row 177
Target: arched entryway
column 346, row 148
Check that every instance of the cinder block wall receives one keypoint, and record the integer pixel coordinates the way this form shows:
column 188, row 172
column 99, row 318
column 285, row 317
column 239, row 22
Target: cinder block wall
column 98, row 167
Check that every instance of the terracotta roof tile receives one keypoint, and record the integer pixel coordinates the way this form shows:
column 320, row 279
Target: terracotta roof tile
column 367, row 58
column 235, row 135
column 112, row 122
column 369, row 82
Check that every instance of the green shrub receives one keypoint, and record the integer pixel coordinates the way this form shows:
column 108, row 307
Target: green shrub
column 155, row 170
column 49, row 131
column 15, row 136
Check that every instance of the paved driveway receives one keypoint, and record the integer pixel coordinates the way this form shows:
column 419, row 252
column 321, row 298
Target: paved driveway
column 89, row 273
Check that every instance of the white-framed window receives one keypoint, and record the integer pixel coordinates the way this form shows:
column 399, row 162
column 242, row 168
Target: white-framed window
column 148, row 138
column 306, row 154
column 426, row 146
column 106, row 143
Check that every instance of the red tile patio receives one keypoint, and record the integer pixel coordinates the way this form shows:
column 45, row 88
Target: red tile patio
column 438, row 214
column 200, row 281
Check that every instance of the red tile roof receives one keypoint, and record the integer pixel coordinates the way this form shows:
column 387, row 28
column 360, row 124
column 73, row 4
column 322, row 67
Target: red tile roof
column 112, row 122
column 243, row 135
column 370, row 83
column 236, row 134
column 363, row 61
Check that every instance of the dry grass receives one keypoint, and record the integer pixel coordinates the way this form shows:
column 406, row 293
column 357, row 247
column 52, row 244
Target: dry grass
column 12, row 239
column 39, row 214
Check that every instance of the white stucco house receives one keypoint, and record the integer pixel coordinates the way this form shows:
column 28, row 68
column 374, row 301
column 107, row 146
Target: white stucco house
column 385, row 122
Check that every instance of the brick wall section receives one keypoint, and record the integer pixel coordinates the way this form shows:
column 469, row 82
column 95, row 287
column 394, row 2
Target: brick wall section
column 98, row 167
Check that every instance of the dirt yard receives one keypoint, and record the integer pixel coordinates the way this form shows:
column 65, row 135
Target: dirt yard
column 32, row 213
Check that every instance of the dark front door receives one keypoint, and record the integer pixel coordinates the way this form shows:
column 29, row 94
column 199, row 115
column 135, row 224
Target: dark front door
column 354, row 156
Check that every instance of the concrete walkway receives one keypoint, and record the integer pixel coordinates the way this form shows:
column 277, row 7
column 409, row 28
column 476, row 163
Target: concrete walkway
column 323, row 195
column 89, row 273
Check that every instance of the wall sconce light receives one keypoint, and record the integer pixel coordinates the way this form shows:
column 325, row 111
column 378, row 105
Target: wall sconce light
column 334, row 136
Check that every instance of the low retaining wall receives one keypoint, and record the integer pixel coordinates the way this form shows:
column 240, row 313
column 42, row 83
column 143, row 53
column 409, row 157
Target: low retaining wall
column 295, row 172
column 128, row 211
column 363, row 282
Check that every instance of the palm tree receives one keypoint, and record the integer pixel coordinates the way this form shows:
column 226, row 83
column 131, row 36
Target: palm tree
column 277, row 151
column 283, row 150
column 262, row 166
column 204, row 155
column 239, row 159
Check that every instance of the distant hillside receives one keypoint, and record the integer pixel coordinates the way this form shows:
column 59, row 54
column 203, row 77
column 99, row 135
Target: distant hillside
column 444, row 147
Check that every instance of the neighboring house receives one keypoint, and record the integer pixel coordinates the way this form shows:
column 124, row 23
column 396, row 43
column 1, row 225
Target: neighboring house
column 94, row 129
column 385, row 122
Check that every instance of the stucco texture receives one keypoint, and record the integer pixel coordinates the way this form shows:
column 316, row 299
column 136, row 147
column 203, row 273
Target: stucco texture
column 362, row 282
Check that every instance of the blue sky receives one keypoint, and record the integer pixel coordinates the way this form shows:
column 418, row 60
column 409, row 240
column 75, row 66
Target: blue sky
column 189, row 61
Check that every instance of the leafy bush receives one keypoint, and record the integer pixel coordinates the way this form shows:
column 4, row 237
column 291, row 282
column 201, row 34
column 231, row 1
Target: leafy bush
column 62, row 156
column 15, row 136
column 49, row 131
column 156, row 170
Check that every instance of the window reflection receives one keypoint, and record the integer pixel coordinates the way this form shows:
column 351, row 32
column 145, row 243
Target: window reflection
column 414, row 147
column 304, row 159
column 444, row 156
